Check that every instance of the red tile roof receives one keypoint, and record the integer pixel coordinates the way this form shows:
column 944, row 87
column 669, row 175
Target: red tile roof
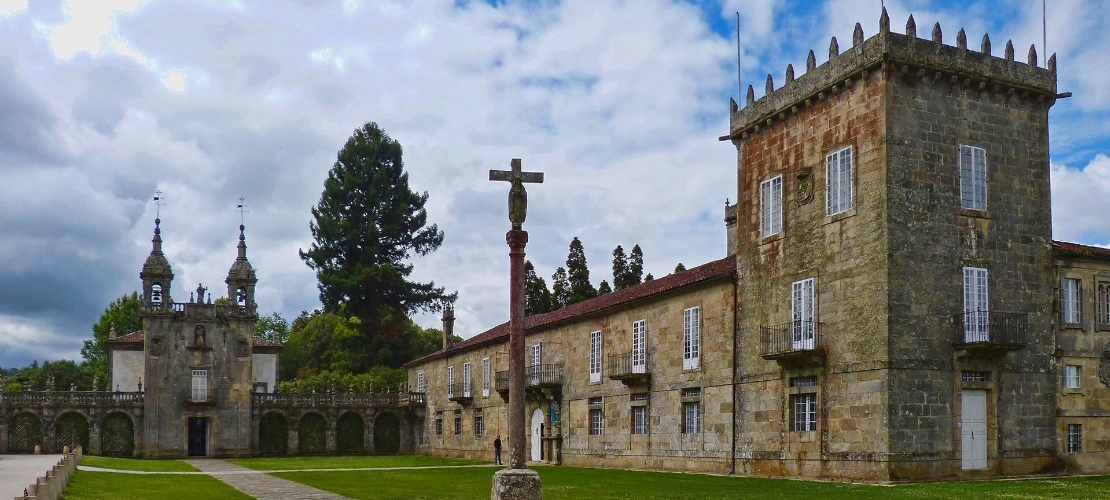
column 706, row 272
column 1078, row 250
column 130, row 338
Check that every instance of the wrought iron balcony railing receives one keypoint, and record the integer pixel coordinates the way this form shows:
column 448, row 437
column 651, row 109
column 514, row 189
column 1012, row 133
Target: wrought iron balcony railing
column 1002, row 329
column 460, row 391
column 543, row 375
column 629, row 365
column 795, row 337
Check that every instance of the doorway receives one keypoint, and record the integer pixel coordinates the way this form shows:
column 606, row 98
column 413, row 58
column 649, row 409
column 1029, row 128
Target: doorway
column 973, row 429
column 537, row 434
column 198, row 436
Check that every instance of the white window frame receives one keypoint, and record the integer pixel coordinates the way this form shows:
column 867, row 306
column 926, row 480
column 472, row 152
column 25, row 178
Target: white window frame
column 479, row 422
column 199, row 386
column 804, row 414
column 691, row 417
column 1102, row 302
column 1071, row 301
column 450, row 382
column 802, row 307
column 976, row 288
column 597, row 421
column 691, row 338
column 420, row 381
column 973, row 177
column 639, row 420
column 838, row 181
column 770, row 207
column 595, row 356
column 485, row 377
column 537, row 362
column 639, row 346
column 466, row 380
column 1071, row 376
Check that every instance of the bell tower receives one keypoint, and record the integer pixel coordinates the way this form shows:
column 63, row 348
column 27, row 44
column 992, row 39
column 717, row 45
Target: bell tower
column 241, row 279
column 156, row 275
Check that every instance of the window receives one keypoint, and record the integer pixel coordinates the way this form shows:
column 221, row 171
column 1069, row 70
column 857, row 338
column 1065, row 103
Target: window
column 450, row 382
column 1071, row 295
column 801, row 312
column 466, row 380
column 804, row 408
column 1102, row 304
column 458, row 422
column 200, row 385
column 639, row 347
column 968, row 376
column 810, row 381
column 838, row 181
column 1075, row 438
column 536, row 366
column 596, row 425
column 691, row 417
column 691, row 392
column 420, row 381
column 973, row 178
column 976, row 308
column 639, row 396
column 691, row 338
column 479, row 426
column 439, row 423
column 595, row 356
column 639, row 420
column 770, row 207
column 156, row 293
column 1071, row 376
column 485, row 377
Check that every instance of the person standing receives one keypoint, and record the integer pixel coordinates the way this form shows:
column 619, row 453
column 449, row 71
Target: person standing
column 497, row 450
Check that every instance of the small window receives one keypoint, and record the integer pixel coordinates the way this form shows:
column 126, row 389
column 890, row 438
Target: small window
column 1071, row 296
column 810, row 381
column 458, row 422
column 439, row 423
column 973, row 178
column 1075, row 438
column 838, row 181
column 970, row 376
column 639, row 420
column 691, row 392
column 691, row 417
column 1071, row 376
column 639, row 396
column 479, row 426
column 595, row 356
column 770, row 207
column 596, row 425
column 691, row 338
column 595, row 401
column 804, row 409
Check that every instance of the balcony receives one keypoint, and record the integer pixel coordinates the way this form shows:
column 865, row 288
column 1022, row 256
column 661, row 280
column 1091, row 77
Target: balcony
column 630, row 368
column 546, row 376
column 460, row 392
column 990, row 334
column 797, row 343
column 411, row 399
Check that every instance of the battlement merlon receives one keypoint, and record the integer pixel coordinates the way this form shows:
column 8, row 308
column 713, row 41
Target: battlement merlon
column 902, row 53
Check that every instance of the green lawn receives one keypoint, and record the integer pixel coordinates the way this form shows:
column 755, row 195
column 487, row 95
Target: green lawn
column 120, row 486
column 135, row 464
column 348, row 462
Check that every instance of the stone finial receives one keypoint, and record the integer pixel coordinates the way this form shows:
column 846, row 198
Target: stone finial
column 834, row 49
column 1032, row 55
column 112, row 331
column 770, row 85
column 961, row 40
column 751, row 95
column 732, row 105
column 884, row 22
column 811, row 62
column 937, row 36
column 1052, row 62
column 986, row 50
column 789, row 73
column 911, row 27
column 857, row 35
column 1009, row 54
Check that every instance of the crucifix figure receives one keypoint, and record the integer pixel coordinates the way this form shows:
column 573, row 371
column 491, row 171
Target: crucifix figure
column 518, row 197
column 516, row 482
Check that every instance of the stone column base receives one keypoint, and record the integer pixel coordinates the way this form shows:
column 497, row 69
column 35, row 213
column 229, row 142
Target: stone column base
column 516, row 484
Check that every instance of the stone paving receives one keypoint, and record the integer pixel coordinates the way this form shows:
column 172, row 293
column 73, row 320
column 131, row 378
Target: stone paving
column 19, row 471
column 260, row 485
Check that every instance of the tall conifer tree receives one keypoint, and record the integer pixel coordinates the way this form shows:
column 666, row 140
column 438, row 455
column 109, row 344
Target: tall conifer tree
column 620, row 269
column 560, row 289
column 635, row 266
column 578, row 273
column 537, row 299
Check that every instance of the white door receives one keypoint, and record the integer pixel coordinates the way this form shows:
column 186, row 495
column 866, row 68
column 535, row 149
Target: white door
column 976, row 305
column 536, row 366
column 537, row 428
column 639, row 344
column 801, row 311
column 973, row 429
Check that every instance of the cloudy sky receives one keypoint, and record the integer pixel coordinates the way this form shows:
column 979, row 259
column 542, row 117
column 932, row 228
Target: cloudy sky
column 620, row 103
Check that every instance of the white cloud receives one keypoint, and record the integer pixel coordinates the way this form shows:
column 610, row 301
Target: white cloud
column 1081, row 201
column 9, row 7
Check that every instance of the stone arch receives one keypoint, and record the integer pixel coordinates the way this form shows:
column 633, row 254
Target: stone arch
column 24, row 433
column 71, row 429
column 117, row 435
column 156, row 293
column 387, row 433
column 350, row 433
column 273, row 435
column 312, row 434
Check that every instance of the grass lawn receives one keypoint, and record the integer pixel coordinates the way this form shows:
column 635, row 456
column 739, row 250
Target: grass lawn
column 348, row 462
column 135, row 464
column 119, row 486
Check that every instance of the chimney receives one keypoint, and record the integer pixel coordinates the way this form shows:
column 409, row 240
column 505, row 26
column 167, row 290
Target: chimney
column 448, row 327
column 730, row 228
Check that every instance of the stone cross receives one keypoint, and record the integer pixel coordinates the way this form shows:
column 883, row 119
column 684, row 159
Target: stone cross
column 518, row 197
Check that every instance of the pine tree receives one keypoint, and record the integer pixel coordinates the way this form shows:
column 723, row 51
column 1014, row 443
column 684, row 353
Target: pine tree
column 578, row 274
column 621, row 276
column 365, row 228
column 560, row 289
column 603, row 288
column 537, row 299
column 635, row 266
column 679, row 268
column 648, row 278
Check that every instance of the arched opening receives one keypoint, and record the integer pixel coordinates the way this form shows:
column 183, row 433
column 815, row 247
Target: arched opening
column 387, row 434
column 24, row 433
column 273, row 439
column 71, row 429
column 117, row 435
column 350, row 433
column 241, row 296
column 156, row 293
column 312, row 434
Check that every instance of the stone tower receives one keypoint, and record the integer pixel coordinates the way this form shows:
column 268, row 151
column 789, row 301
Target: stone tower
column 894, row 263
column 197, row 363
